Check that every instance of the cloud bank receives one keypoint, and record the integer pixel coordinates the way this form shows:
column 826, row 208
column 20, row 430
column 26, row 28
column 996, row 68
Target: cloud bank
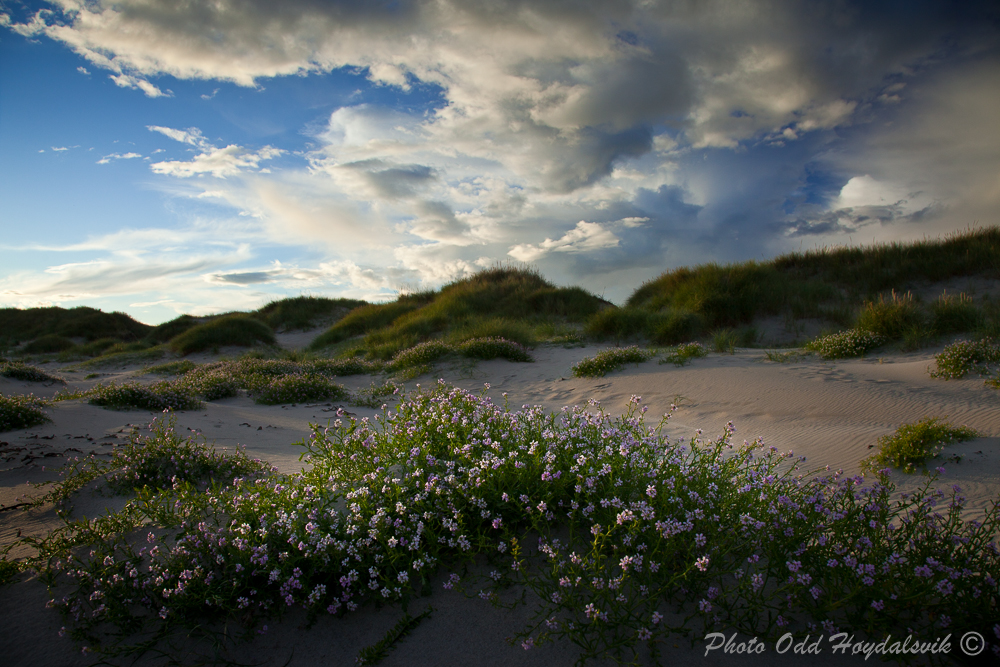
column 601, row 140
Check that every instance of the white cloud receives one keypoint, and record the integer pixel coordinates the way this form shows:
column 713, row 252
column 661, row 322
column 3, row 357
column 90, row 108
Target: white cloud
column 117, row 156
column 192, row 135
column 219, row 162
column 585, row 237
column 83, row 70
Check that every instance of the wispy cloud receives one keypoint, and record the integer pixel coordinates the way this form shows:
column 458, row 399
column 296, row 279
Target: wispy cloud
column 117, row 156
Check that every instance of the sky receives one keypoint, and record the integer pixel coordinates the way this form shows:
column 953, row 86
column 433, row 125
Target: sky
column 159, row 157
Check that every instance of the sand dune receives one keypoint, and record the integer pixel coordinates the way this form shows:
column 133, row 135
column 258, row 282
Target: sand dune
column 830, row 412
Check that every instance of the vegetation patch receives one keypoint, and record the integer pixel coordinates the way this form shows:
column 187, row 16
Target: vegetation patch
column 494, row 348
column 48, row 344
column 963, row 357
column 172, row 368
column 346, row 367
column 610, row 360
column 16, row 370
column 846, row 344
column 374, row 396
column 612, row 525
column 159, row 396
column 682, row 354
column 421, row 355
column 17, row 412
column 299, row 389
column 912, row 444
column 239, row 329
column 304, row 312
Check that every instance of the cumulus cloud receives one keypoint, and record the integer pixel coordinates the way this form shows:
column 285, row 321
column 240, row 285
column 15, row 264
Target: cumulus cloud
column 218, row 162
column 586, row 236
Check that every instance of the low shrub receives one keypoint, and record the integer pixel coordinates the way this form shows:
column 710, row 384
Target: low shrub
column 494, row 327
column 20, row 371
column 846, row 344
column 912, row 444
column 493, row 348
column 682, row 354
column 241, row 330
column 610, row 360
column 158, row 396
column 421, row 354
column 963, row 357
column 17, row 412
column 298, row 389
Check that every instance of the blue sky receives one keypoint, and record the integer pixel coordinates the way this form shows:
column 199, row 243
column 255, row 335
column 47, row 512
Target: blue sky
column 160, row 157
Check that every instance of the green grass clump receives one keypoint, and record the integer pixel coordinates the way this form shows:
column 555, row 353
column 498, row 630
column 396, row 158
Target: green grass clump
column 609, row 361
column 374, row 396
column 623, row 538
column 346, row 367
column 421, row 355
column 8, row 570
column 494, row 348
column 172, row 367
column 682, row 354
column 158, row 396
column 20, row 371
column 912, row 444
column 846, row 344
column 17, row 412
column 891, row 318
column 363, row 319
column 239, row 329
column 963, row 357
column 952, row 314
column 298, row 389
column 29, row 324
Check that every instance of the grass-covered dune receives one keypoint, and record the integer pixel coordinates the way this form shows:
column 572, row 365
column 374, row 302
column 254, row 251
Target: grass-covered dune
column 864, row 287
column 52, row 328
column 59, row 330
column 502, row 302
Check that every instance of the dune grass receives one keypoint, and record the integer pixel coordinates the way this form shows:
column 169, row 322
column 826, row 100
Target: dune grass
column 682, row 354
column 304, row 312
column 628, row 539
column 503, row 302
column 862, row 288
column 24, row 325
column 912, row 444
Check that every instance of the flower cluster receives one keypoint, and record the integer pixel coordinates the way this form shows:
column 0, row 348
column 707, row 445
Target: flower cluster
column 963, row 357
column 846, row 344
column 21, row 412
column 420, row 354
column 298, row 389
column 609, row 361
column 629, row 526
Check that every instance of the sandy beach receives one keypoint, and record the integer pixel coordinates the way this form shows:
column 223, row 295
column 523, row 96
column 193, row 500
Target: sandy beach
column 831, row 412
